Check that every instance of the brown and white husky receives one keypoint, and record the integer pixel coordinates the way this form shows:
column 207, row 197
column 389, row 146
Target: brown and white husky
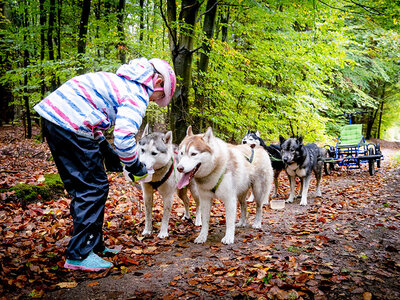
column 224, row 171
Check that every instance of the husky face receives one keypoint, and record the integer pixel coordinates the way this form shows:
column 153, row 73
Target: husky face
column 251, row 138
column 195, row 156
column 291, row 149
column 154, row 149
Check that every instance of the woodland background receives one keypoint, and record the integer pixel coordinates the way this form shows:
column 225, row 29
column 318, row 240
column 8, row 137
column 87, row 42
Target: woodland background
column 282, row 67
column 279, row 66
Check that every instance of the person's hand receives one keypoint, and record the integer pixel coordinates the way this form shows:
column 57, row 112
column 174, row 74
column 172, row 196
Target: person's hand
column 136, row 171
column 111, row 158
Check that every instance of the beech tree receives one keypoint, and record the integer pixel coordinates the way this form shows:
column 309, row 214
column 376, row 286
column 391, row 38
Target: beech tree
column 281, row 67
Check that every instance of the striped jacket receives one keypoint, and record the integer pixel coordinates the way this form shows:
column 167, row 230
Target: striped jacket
column 89, row 103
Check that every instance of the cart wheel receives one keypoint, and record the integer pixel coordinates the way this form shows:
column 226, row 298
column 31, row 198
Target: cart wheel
column 371, row 162
column 378, row 151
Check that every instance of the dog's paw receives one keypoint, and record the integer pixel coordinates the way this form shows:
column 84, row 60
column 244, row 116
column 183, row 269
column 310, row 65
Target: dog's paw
column 257, row 225
column 163, row 235
column 241, row 223
column 186, row 217
column 303, row 203
column 290, row 200
column 201, row 239
column 146, row 232
column 228, row 240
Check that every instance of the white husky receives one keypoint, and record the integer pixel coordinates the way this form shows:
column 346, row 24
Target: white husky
column 156, row 152
column 227, row 172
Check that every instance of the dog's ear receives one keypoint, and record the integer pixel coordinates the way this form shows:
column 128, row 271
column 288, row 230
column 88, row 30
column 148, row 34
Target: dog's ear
column 146, row 130
column 189, row 131
column 281, row 139
column 208, row 135
column 300, row 139
column 257, row 133
column 168, row 137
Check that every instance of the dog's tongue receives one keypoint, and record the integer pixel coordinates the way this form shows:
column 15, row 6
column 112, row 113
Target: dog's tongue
column 184, row 181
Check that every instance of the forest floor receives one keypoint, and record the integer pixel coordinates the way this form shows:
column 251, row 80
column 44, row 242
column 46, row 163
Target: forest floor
column 345, row 245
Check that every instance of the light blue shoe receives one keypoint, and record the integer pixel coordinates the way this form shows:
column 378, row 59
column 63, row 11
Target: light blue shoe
column 91, row 263
column 110, row 251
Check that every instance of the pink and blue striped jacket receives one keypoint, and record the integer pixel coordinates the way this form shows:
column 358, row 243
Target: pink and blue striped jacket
column 89, row 103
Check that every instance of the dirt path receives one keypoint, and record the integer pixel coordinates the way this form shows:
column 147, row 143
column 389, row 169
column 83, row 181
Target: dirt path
column 343, row 246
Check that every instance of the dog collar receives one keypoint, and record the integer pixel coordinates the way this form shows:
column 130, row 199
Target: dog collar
column 157, row 184
column 214, row 189
column 250, row 159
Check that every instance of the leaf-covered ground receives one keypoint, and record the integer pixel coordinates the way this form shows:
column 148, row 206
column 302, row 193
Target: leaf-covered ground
column 344, row 245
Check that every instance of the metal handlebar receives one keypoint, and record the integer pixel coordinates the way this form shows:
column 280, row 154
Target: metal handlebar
column 349, row 115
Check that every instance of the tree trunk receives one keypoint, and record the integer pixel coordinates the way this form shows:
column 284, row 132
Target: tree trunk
column 28, row 128
column 208, row 28
column 97, row 14
column 141, row 20
column 50, row 43
column 59, row 10
column 6, row 110
column 121, row 33
column 181, row 49
column 370, row 123
column 83, row 28
column 42, row 22
column 381, row 111
column 224, row 25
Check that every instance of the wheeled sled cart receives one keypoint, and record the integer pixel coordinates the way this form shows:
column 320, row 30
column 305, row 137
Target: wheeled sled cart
column 351, row 151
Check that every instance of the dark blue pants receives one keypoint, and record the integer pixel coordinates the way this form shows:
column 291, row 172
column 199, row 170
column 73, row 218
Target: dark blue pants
column 80, row 165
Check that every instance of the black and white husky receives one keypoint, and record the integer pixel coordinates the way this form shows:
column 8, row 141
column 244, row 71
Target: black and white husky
column 156, row 151
column 253, row 138
column 301, row 160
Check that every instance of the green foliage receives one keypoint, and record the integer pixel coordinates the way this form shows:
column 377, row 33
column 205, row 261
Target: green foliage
column 286, row 67
column 267, row 278
column 260, row 82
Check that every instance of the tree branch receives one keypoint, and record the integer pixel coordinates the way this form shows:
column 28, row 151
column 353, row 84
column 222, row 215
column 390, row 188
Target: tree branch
column 338, row 8
column 166, row 24
column 194, row 50
column 211, row 8
column 367, row 8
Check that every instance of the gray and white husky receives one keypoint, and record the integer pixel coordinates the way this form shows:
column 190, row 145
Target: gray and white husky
column 156, row 151
column 301, row 160
column 226, row 172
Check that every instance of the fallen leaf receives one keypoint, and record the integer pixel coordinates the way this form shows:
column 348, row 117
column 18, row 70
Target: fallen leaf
column 67, row 285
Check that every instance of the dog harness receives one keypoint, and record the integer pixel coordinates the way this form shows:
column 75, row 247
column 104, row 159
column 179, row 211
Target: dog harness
column 214, row 189
column 250, row 159
column 157, row 184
